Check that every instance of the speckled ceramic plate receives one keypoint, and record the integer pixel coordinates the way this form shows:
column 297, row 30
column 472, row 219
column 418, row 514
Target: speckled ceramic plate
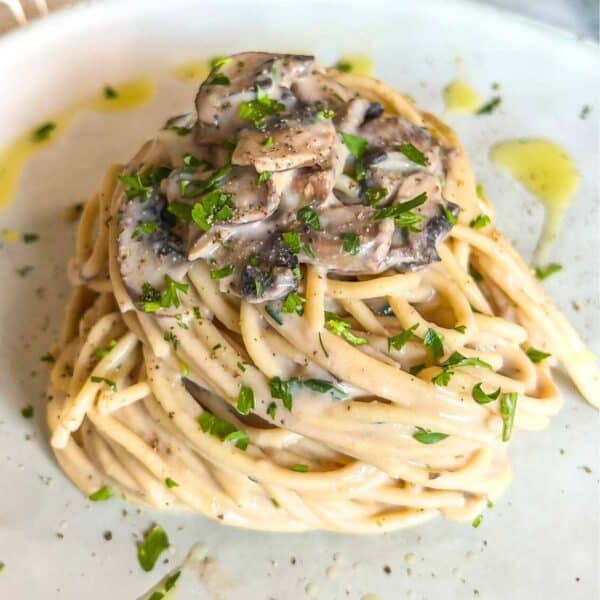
column 541, row 538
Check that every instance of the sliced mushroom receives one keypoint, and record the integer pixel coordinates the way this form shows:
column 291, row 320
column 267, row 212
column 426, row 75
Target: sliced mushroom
column 147, row 256
column 289, row 144
column 219, row 98
column 373, row 240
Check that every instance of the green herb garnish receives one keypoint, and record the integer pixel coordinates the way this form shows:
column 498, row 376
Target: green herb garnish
column 152, row 300
column 280, row 389
column 435, row 344
column 324, row 387
column 110, row 93
column 147, row 228
column 341, row 328
column 245, row 400
column 170, row 337
column 154, row 544
column 291, row 240
column 536, row 356
column 416, row 369
column 543, row 272
column 140, row 185
column 374, row 195
column 350, row 243
column 326, row 113
column 274, row 314
column 171, row 483
column 402, row 213
column 100, row 353
column 508, row 407
column 481, row 397
column 413, row 154
column 461, row 328
column 27, row 412
column 397, row 342
column 477, row 521
column 480, row 222
column 264, row 177
column 101, row 494
column 299, row 468
column 212, row 425
column 308, row 215
column 221, row 273
column 218, row 79
column 219, row 61
column 109, row 382
column 272, row 410
column 256, row 111
column 424, row 436
column 43, row 132
column 214, row 207
column 489, row 106
column 343, row 66
column 30, row 238
column 293, row 303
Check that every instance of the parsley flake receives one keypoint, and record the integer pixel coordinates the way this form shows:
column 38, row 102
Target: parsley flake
column 424, row 436
column 154, row 544
column 413, row 154
column 245, row 401
column 101, row 494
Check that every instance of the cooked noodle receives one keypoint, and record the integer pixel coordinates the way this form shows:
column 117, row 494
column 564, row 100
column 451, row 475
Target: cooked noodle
column 120, row 414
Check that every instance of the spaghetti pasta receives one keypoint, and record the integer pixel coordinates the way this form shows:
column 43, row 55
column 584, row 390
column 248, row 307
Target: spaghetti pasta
column 367, row 402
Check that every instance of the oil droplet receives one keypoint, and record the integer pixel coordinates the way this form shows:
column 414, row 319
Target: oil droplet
column 10, row 235
column 311, row 589
column 14, row 156
column 370, row 597
column 459, row 96
column 361, row 64
column 331, row 572
column 547, row 171
column 128, row 95
column 196, row 70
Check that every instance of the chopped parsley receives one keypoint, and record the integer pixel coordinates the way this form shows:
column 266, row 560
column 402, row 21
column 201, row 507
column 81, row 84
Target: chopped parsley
column 218, row 79
column 308, row 215
column 293, row 303
column 489, row 106
column 219, row 61
column 180, row 130
column 397, row 342
column 280, row 389
column 374, row 195
column 272, row 410
column 212, row 425
column 585, row 111
column 481, row 397
column 324, row 387
column 402, row 213
column 299, row 468
column 27, row 412
column 43, row 132
column 181, row 211
column 416, row 369
column 350, row 243
column 100, row 353
column 101, row 494
column 154, row 544
column 274, row 314
column 109, row 382
column 291, row 240
column 326, row 113
column 424, row 436
column 264, row 177
column 480, row 191
column 24, row 271
column 357, row 146
column 461, row 328
column 477, row 521
column 413, row 154
column 536, row 356
column 190, row 162
column 140, row 185
column 343, row 66
column 221, row 273
column 508, row 407
column 480, row 222
column 449, row 215
column 214, row 207
column 185, row 368
column 47, row 358
column 192, row 189
column 245, row 400
column 455, row 361
column 171, row 580
column 30, row 238
column 144, row 228
column 171, row 483
column 110, row 93
column 170, row 337
column 256, row 111
column 341, row 328
column 435, row 344
column 152, row 300
column 543, row 272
